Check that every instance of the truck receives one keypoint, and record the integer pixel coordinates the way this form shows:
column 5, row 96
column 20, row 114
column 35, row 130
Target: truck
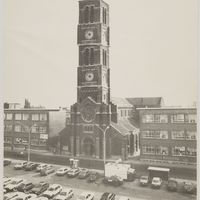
column 123, row 171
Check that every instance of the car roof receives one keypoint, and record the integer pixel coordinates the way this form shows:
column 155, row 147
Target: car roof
column 156, row 178
column 54, row 185
column 123, row 198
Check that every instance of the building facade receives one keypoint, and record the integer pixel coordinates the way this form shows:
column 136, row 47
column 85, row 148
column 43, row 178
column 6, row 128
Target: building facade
column 168, row 134
column 42, row 123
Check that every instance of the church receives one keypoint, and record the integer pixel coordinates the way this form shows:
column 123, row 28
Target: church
column 100, row 126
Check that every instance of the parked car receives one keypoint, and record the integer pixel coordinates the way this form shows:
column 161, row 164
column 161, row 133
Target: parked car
column 21, row 154
column 13, row 184
column 144, row 180
column 73, row 172
column 23, row 196
column 172, row 185
column 41, row 166
column 108, row 196
column 10, row 195
column 46, row 171
column 86, row 196
column 124, row 198
column 65, row 194
column 6, row 162
column 31, row 166
column 62, row 171
column 41, row 198
column 6, row 181
column 20, row 165
column 93, row 177
column 40, row 188
column 189, row 187
column 156, row 182
column 25, row 186
column 53, row 190
column 84, row 173
column 113, row 180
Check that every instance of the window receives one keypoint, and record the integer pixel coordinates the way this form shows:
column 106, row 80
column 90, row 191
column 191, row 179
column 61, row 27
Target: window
column 161, row 119
column 178, row 151
column 35, row 129
column 161, row 150
column 34, row 142
column 86, row 14
column 104, row 15
column 18, row 128
column 104, row 57
column 86, row 56
column 92, row 56
column 191, row 118
column 178, row 135
column 191, row 152
column 9, row 116
column 147, row 118
column 92, row 14
column 148, row 150
column 8, row 140
column 89, row 128
column 42, row 142
column 18, row 116
column 191, row 135
column 35, row 117
column 42, row 129
column 8, row 128
column 155, row 134
column 178, row 118
column 25, row 116
column 43, row 117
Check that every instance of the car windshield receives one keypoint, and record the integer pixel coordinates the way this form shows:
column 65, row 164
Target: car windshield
column 37, row 186
column 63, row 193
column 51, row 189
column 14, row 182
column 144, row 178
column 156, row 181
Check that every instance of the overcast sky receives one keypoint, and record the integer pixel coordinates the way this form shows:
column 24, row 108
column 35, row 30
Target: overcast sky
column 153, row 50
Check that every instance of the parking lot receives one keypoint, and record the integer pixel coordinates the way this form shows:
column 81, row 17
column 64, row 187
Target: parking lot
column 130, row 189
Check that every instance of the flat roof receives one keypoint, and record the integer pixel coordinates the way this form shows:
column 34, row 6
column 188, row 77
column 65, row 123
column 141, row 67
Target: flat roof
column 168, row 108
column 159, row 169
column 32, row 109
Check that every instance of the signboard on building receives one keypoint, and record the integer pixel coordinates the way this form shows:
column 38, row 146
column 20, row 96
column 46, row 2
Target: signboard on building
column 44, row 136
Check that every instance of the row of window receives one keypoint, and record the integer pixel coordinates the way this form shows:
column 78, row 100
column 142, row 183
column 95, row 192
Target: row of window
column 125, row 113
column 175, row 151
column 89, row 14
column 175, row 135
column 24, row 141
column 19, row 129
column 89, row 56
column 175, row 118
column 19, row 116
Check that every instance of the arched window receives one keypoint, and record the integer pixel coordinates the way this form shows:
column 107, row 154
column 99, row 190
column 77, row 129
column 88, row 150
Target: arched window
column 86, row 56
column 92, row 56
column 92, row 14
column 86, row 14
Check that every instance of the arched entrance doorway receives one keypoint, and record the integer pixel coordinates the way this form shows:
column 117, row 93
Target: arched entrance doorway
column 88, row 147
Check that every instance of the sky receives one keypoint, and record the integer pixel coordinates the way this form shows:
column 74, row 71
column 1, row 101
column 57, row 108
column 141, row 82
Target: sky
column 153, row 50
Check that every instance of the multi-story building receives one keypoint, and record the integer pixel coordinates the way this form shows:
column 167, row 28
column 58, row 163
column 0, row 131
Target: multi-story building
column 40, row 122
column 168, row 134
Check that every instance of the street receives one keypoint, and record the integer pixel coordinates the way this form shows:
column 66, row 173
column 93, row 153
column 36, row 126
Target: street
column 131, row 189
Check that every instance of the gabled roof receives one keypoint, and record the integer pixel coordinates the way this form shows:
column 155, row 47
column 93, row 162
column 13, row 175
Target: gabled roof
column 121, row 102
column 146, row 101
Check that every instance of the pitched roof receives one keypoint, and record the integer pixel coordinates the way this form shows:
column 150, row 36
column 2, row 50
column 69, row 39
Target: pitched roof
column 121, row 102
column 146, row 101
column 124, row 127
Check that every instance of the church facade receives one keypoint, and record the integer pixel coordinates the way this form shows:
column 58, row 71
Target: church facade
column 94, row 126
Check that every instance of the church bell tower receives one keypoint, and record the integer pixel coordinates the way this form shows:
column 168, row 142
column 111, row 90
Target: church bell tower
column 92, row 112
